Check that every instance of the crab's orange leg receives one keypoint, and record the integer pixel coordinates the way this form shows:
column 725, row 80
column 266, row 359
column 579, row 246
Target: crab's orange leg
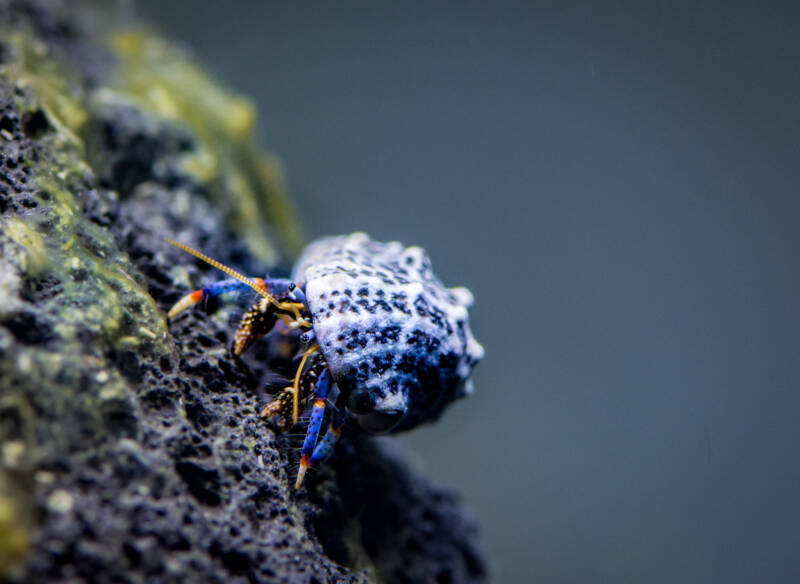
column 296, row 383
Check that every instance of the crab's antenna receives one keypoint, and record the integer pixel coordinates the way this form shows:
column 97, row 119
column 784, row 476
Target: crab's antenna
column 230, row 271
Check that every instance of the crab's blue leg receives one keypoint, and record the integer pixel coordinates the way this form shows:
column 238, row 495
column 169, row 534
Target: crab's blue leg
column 325, row 447
column 276, row 286
column 321, row 390
column 211, row 291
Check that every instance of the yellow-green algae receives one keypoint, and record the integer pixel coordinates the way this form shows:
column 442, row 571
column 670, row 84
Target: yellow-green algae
column 36, row 69
column 97, row 293
column 14, row 531
column 74, row 243
column 242, row 179
column 100, row 291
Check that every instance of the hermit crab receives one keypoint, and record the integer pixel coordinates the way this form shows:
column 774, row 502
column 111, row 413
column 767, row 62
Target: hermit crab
column 381, row 339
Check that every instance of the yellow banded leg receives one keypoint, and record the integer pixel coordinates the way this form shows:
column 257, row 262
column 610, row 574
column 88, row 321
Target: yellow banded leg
column 296, row 384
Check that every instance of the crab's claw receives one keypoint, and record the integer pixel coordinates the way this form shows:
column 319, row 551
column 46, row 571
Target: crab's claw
column 257, row 322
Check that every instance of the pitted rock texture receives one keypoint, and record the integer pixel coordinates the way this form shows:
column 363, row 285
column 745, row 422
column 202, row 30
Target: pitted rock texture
column 131, row 449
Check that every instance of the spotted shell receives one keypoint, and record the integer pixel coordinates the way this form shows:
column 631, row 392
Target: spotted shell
column 396, row 341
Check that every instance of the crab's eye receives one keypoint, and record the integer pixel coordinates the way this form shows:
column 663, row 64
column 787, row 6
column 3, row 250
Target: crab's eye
column 377, row 416
column 380, row 422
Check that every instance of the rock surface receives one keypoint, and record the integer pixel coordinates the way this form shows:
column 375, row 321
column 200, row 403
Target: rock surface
column 131, row 449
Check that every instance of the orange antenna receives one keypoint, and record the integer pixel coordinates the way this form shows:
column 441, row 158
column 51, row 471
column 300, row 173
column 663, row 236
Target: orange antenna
column 230, row 271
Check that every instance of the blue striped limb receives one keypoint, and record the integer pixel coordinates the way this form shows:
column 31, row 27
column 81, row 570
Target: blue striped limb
column 212, row 291
column 325, row 448
column 321, row 390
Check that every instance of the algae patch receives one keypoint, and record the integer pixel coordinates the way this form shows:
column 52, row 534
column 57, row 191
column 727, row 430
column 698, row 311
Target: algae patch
column 37, row 71
column 14, row 536
column 33, row 254
column 244, row 182
column 79, row 326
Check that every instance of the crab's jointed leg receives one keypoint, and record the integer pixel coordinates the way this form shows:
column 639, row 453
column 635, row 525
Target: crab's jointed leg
column 324, row 448
column 256, row 322
column 296, row 384
column 282, row 404
column 321, row 389
column 216, row 289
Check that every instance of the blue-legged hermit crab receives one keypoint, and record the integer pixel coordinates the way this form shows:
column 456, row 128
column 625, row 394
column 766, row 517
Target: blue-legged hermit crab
column 381, row 338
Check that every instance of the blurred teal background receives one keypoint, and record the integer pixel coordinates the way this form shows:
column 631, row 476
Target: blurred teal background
column 618, row 185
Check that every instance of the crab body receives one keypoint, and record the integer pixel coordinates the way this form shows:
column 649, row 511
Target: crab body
column 384, row 338
column 396, row 341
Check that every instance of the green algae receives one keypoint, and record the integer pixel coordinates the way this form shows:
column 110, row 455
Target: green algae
column 97, row 293
column 34, row 68
column 242, row 179
column 14, row 533
column 97, row 296
column 59, row 242
column 32, row 255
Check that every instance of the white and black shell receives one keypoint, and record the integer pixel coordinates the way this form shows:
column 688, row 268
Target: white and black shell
column 395, row 340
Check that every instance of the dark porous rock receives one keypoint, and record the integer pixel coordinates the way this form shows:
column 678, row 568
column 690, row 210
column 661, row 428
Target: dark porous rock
column 131, row 450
